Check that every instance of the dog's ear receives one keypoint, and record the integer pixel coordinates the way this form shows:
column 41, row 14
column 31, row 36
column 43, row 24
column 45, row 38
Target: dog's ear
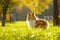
column 28, row 15
column 32, row 14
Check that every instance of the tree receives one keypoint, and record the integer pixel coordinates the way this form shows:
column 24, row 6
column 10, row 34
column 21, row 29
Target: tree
column 55, row 15
column 6, row 5
column 37, row 6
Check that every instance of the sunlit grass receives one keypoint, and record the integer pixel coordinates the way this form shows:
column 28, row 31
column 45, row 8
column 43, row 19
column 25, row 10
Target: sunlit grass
column 19, row 31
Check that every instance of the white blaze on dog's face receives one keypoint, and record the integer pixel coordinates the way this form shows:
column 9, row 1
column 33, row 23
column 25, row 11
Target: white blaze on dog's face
column 31, row 20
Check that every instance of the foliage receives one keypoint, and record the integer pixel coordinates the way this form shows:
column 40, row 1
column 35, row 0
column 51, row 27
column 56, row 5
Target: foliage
column 10, row 3
column 15, row 31
column 37, row 6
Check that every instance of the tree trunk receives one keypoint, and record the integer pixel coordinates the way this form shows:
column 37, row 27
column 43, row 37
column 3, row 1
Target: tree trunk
column 5, row 7
column 4, row 14
column 3, row 19
column 55, row 15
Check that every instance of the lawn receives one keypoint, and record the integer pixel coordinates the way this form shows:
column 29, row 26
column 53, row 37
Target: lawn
column 19, row 31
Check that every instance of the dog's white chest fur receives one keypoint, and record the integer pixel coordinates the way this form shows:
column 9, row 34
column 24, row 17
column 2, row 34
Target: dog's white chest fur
column 31, row 23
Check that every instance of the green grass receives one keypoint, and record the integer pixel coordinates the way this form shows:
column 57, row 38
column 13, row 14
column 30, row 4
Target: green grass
column 20, row 31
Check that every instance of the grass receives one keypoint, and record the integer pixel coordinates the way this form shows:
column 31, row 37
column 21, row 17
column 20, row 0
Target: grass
column 19, row 31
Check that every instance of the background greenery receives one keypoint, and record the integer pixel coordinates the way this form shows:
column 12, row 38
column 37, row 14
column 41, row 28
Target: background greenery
column 19, row 31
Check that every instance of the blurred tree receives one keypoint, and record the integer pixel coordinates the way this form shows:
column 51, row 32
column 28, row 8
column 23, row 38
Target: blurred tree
column 6, row 6
column 56, row 14
column 37, row 6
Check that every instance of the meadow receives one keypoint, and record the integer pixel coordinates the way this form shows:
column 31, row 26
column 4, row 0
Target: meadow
column 20, row 31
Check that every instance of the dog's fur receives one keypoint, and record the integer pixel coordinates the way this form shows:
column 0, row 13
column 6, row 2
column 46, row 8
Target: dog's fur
column 33, row 21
